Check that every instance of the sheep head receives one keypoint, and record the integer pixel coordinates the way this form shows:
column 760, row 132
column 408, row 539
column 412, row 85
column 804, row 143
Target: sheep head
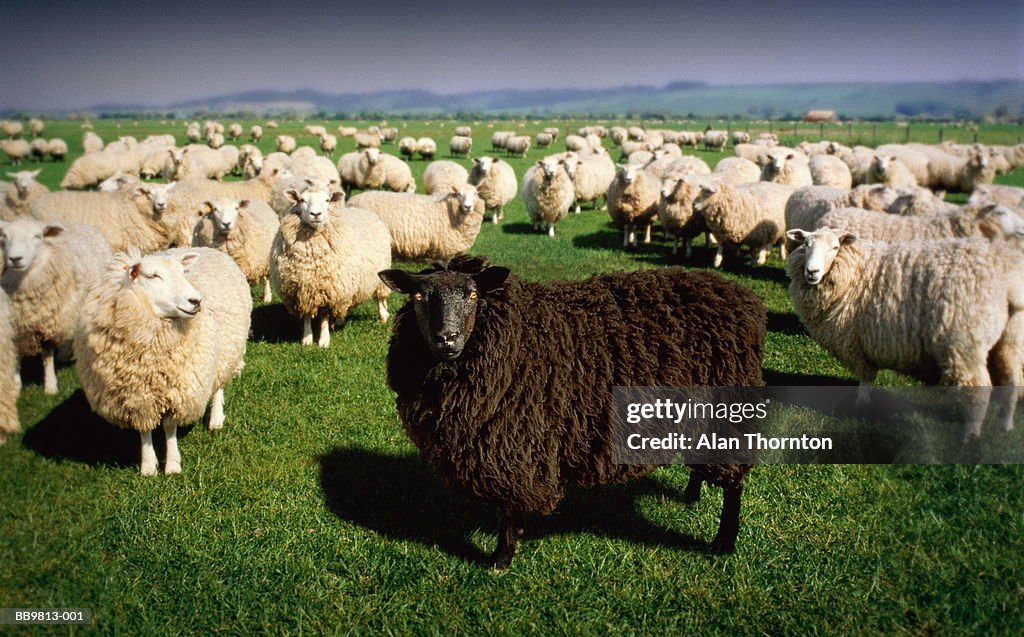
column 21, row 243
column 160, row 281
column 821, row 248
column 445, row 303
column 313, row 206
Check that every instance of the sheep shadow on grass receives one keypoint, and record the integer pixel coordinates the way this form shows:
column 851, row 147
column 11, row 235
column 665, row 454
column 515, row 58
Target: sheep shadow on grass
column 400, row 498
column 519, row 227
column 787, row 323
column 271, row 323
column 73, row 432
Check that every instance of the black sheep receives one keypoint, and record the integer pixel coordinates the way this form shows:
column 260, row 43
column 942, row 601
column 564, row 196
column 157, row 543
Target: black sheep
column 505, row 386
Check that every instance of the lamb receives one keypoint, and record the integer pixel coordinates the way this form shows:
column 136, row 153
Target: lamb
column 736, row 170
column 255, row 133
column 990, row 221
column 827, row 170
column 740, row 137
column 91, row 143
column 715, row 139
column 407, row 147
column 889, row 170
column 48, row 269
column 397, row 174
column 500, row 138
column 361, row 170
column 809, row 204
column 463, row 131
column 632, row 199
column 57, row 149
column 17, row 150
column 160, row 338
column 548, row 192
column 12, row 129
column 285, row 144
column 496, row 184
column 367, row 140
column 9, row 390
column 787, row 168
column 590, row 179
column 245, row 230
column 324, row 258
column 519, row 145
column 676, row 214
column 426, row 147
column 468, row 334
column 442, row 176
column 427, row 226
column 747, row 214
column 328, row 143
column 952, row 310
column 136, row 218
column 460, row 146
column 543, row 140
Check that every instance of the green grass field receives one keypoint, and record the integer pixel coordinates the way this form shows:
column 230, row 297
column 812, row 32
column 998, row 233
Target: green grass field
column 310, row 513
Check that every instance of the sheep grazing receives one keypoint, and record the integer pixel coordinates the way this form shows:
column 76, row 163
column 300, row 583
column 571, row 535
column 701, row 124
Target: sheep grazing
column 463, row 131
column 57, row 149
column 496, row 184
column 426, row 147
column 990, row 221
column 591, row 177
column 548, row 192
column 324, row 258
column 425, row 227
column 397, row 174
column 314, row 131
column 543, row 140
column 786, row 167
column 960, row 174
column 17, row 150
column 12, row 129
column 91, row 143
column 328, row 144
column 160, row 338
column 193, row 133
column 889, row 170
column 361, row 170
column 37, row 148
column 807, row 205
column 255, row 133
column 407, row 147
column 827, row 170
column 245, row 230
column 676, row 214
column 285, row 144
column 576, row 143
column 235, row 131
column 48, row 269
column 367, row 140
column 953, row 310
column 17, row 195
column 715, row 139
column 460, row 146
column 443, row 176
column 632, row 199
column 1009, row 196
column 137, row 217
column 519, row 145
column 388, row 135
column 553, row 132
column 347, row 131
column 752, row 215
column 740, row 137
column 466, row 345
column 737, row 170
column 500, row 138
column 9, row 390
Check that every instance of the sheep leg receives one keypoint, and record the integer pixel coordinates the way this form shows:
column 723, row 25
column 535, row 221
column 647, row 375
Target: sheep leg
column 551, row 229
column 710, row 239
column 266, row 290
column 719, row 254
column 382, row 303
column 325, row 331
column 509, row 532
column 689, row 250
column 172, row 464
column 494, row 217
column 577, row 211
column 625, row 235
column 675, row 245
column 692, row 493
column 217, row 411
column 1006, row 367
column 978, row 388
column 49, row 371
column 17, row 375
column 647, row 235
column 782, row 250
column 760, row 257
column 307, row 331
column 729, row 522
column 147, row 464
column 864, row 393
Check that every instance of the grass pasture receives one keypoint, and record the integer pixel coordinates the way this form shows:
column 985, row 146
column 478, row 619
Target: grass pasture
column 310, row 513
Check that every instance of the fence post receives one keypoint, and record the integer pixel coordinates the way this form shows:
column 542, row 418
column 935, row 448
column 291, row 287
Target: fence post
column 906, row 134
column 873, row 136
column 849, row 131
column 975, row 137
column 821, row 132
column 940, row 134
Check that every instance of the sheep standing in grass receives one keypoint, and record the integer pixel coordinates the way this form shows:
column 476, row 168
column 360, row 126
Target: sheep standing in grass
column 11, row 387
column 424, row 227
column 889, row 170
column 285, row 144
column 13, row 129
column 245, row 230
column 48, row 269
column 426, row 147
column 57, row 149
column 323, row 261
column 632, row 199
column 543, row 140
column 527, row 411
column 460, row 146
column 953, row 173
column 808, row 204
column 37, row 148
column 366, row 140
column 328, row 144
column 397, row 174
column 442, row 176
column 676, row 214
column 235, row 131
column 827, row 170
column 740, row 137
column 17, row 150
column 464, row 131
column 519, row 145
column 786, row 167
column 989, row 221
column 737, row 170
column 496, row 184
column 361, row 170
column 18, row 195
column 715, row 139
column 500, row 138
column 160, row 338
column 548, row 193
column 591, row 177
column 255, row 133
column 752, row 215
column 948, row 311
column 91, row 143
column 407, row 147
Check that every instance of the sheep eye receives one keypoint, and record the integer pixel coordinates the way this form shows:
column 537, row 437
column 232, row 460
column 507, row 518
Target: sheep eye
column 152, row 276
column 417, row 296
column 472, row 295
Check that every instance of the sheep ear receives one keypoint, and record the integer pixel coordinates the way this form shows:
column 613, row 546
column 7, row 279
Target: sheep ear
column 337, row 196
column 243, row 203
column 491, row 278
column 797, row 235
column 293, row 195
column 847, row 238
column 53, row 230
column 208, row 206
column 143, row 191
column 189, row 259
column 35, row 173
column 133, row 270
column 399, row 280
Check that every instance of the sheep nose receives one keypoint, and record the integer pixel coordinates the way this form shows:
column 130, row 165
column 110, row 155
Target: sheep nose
column 449, row 337
column 14, row 260
column 196, row 302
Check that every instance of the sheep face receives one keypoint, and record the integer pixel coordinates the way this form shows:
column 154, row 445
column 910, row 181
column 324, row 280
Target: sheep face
column 549, row 167
column 1000, row 222
column 628, row 173
column 821, row 248
column 445, row 304
column 160, row 281
column 157, row 194
column 225, row 214
column 22, row 241
column 372, row 155
column 23, row 181
column 467, row 197
column 881, row 164
column 313, row 206
column 484, row 163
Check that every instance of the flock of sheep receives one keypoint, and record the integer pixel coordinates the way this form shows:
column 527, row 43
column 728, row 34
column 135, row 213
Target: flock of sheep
column 149, row 282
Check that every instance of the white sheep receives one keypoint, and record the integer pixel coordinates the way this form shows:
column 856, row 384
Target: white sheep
column 245, row 230
column 397, row 174
column 407, row 147
column 255, row 133
column 464, row 131
column 37, row 148
column 827, row 170
column 553, row 131
column 737, row 170
column 809, row 204
column 632, row 199
column 921, row 201
column 13, row 129
column 367, row 140
column 543, row 140
column 460, row 146
column 160, row 338
column 592, row 175
column 36, row 126
column 518, row 145
column 11, row 387
column 284, row 144
column 953, row 173
column 18, row 194
column 441, row 176
column 120, row 181
column 753, row 215
column 193, row 133
column 314, row 130
column 91, row 143
column 678, row 166
column 426, row 147
column 389, row 134
column 347, row 131
column 361, row 170
column 48, row 269
column 324, row 261
column 548, row 192
column 496, row 184
column 422, row 227
column 500, row 138
column 990, row 221
column 127, row 218
column 57, row 149
column 740, row 137
column 948, row 311
column 889, row 170
column 1010, row 196
column 281, row 202
column 328, row 144
column 676, row 213
column 786, row 167
column 17, row 150
column 716, row 139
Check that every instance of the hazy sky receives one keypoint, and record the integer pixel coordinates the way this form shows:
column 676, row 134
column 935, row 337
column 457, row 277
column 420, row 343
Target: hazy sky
column 71, row 53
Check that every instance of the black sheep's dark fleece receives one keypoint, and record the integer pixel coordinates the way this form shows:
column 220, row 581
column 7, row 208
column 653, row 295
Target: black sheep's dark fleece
column 526, row 408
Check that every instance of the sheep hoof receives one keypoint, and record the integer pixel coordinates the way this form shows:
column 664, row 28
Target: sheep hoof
column 307, row 340
column 501, row 560
column 723, row 546
column 172, row 468
column 147, row 470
